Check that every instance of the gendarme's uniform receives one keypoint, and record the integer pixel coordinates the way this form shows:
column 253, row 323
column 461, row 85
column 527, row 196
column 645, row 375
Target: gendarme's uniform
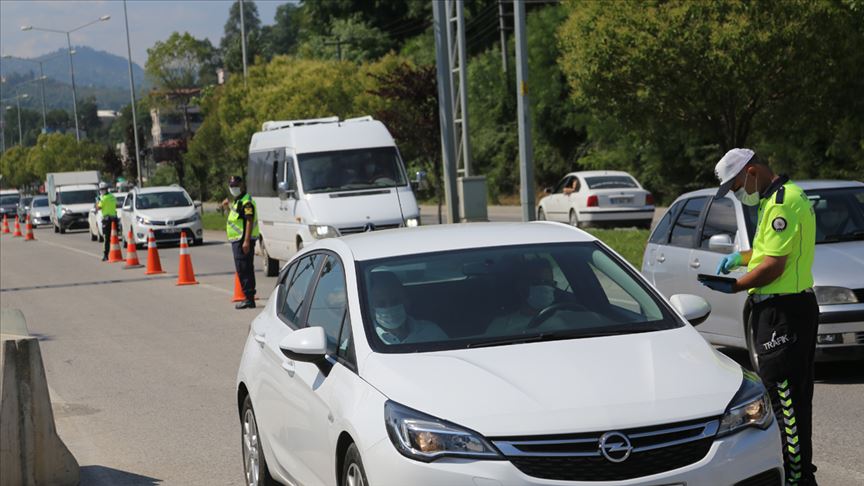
column 242, row 210
column 784, row 318
column 108, row 206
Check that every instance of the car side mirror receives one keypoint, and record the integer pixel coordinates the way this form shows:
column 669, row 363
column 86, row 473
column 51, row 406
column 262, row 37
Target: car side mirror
column 694, row 308
column 722, row 243
column 285, row 191
column 308, row 345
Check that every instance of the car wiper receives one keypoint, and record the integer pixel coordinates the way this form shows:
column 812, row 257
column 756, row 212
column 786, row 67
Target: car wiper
column 518, row 340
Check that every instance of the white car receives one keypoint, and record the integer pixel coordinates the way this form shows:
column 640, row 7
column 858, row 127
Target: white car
column 167, row 210
column 95, row 218
column 491, row 354
column 598, row 197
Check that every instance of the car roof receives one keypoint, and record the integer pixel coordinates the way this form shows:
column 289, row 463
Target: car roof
column 444, row 237
column 148, row 190
column 593, row 173
column 325, row 137
column 806, row 185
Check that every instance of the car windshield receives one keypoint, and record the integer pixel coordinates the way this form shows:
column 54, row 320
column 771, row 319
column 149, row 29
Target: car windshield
column 25, row 201
column 611, row 182
column 839, row 214
column 506, row 295
column 9, row 199
column 349, row 170
column 41, row 202
column 158, row 200
column 77, row 197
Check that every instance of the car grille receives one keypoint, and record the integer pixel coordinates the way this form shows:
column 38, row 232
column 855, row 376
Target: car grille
column 767, row 478
column 363, row 229
column 577, row 457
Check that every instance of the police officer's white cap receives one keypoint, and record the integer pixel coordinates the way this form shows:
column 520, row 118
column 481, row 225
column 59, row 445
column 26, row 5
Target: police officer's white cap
column 102, row 185
column 730, row 166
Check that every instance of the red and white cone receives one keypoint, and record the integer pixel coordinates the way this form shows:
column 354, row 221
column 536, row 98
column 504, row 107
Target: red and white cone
column 131, row 253
column 185, row 274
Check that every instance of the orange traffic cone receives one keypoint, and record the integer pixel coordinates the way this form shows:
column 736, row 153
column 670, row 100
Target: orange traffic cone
column 5, row 225
column 239, row 296
column 29, row 236
column 131, row 253
column 114, row 255
column 154, row 264
column 185, row 274
column 17, row 232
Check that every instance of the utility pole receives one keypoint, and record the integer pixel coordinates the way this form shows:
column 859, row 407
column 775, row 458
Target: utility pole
column 523, row 110
column 132, row 95
column 503, row 30
column 243, row 40
column 445, row 109
column 459, row 84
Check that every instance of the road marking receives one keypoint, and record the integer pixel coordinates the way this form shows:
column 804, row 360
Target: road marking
column 115, row 281
column 65, row 247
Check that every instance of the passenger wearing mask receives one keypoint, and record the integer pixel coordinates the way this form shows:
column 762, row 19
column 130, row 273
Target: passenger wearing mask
column 392, row 322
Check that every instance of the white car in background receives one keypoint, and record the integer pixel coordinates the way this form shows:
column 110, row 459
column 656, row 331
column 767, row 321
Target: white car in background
column 167, row 210
column 40, row 211
column 601, row 381
column 95, row 218
column 598, row 197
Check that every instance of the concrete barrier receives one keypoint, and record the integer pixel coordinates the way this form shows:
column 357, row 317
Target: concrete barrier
column 31, row 452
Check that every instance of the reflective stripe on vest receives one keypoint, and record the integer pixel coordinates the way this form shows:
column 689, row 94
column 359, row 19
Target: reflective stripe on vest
column 234, row 226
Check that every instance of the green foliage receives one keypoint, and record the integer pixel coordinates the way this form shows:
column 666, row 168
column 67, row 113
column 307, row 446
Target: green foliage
column 53, row 152
column 352, row 38
column 181, row 61
column 629, row 243
column 284, row 35
column 165, row 175
column 214, row 221
column 230, row 44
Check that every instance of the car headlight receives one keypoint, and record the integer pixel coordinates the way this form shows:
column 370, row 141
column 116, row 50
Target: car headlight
column 65, row 211
column 834, row 295
column 750, row 407
column 142, row 220
column 412, row 222
column 323, row 231
column 425, row 438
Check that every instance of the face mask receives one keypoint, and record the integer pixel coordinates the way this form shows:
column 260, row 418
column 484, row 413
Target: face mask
column 390, row 317
column 747, row 198
column 235, row 191
column 540, row 296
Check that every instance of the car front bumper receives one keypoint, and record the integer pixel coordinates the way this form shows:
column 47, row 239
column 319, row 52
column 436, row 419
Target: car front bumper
column 168, row 234
column 751, row 451
column 841, row 332
column 75, row 221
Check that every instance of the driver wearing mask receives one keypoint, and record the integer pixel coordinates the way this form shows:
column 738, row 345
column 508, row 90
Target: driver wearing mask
column 536, row 291
column 392, row 322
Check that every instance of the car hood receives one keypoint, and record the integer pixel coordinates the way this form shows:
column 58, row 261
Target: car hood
column 165, row 214
column 353, row 209
column 839, row 264
column 580, row 385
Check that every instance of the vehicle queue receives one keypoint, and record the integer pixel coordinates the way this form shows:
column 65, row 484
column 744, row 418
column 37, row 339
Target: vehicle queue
column 378, row 341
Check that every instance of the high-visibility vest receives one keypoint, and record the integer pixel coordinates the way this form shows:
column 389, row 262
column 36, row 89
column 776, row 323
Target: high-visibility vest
column 236, row 221
column 108, row 205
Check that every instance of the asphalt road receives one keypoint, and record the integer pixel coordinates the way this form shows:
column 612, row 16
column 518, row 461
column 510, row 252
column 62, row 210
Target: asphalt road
column 142, row 371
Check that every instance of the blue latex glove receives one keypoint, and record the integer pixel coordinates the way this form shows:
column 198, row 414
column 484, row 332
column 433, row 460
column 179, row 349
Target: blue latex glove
column 729, row 262
column 725, row 287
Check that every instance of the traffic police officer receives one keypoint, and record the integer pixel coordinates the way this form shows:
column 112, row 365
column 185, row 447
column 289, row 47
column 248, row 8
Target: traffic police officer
column 782, row 309
column 242, row 228
column 107, row 203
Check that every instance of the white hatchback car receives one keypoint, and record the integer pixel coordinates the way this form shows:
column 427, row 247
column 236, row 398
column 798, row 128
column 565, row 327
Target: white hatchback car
column 598, row 197
column 494, row 354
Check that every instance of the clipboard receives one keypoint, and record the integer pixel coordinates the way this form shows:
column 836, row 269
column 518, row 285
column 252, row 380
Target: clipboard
column 704, row 277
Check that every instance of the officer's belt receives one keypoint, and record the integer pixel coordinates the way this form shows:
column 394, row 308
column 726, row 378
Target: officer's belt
column 758, row 298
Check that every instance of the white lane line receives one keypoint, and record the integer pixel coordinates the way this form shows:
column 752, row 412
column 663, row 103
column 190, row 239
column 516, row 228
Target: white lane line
column 218, row 289
column 65, row 247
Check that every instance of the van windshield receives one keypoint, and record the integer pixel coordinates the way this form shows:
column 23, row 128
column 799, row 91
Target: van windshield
column 350, row 170
column 77, row 197
column 10, row 199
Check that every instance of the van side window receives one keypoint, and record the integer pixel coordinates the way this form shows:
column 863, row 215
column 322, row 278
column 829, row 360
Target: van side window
column 685, row 227
column 660, row 235
column 720, row 220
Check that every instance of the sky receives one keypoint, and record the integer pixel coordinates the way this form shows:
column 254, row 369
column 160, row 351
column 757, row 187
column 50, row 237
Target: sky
column 149, row 21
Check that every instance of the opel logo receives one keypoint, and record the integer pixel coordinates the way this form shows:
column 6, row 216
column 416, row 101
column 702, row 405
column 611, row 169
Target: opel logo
column 615, row 446
column 369, row 227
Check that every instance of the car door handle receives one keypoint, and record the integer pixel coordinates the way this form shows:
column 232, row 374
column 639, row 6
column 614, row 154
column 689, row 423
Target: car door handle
column 288, row 365
column 661, row 258
column 695, row 264
column 259, row 338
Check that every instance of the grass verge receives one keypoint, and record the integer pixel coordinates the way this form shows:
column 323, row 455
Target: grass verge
column 629, row 243
column 214, row 221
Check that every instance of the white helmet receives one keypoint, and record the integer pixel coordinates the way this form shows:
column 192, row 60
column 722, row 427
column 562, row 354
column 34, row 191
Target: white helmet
column 103, row 186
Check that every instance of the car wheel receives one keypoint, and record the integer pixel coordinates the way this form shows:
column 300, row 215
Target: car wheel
column 254, row 462
column 271, row 266
column 56, row 229
column 299, row 244
column 574, row 218
column 198, row 241
column 353, row 473
column 541, row 215
column 62, row 230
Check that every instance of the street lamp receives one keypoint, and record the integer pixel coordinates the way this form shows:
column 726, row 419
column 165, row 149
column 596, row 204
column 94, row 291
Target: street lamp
column 71, row 67
column 132, row 95
column 42, row 78
column 17, row 99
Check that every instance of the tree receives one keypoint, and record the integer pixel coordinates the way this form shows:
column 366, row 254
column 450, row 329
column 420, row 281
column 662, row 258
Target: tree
column 230, row 44
column 349, row 39
column 283, row 36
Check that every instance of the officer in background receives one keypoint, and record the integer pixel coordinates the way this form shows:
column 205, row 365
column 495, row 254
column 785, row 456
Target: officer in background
column 106, row 203
column 782, row 309
column 242, row 228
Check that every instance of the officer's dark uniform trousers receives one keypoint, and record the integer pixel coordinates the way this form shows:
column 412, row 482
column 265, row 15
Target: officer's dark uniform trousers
column 106, row 230
column 784, row 330
column 245, row 266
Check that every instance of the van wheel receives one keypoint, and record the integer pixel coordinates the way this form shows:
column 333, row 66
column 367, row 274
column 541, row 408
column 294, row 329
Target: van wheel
column 299, row 244
column 574, row 218
column 62, row 230
column 271, row 266
column 254, row 462
column 353, row 473
column 541, row 215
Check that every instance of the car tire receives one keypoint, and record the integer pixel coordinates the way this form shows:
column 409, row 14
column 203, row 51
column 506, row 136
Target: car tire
column 198, row 241
column 56, row 229
column 353, row 473
column 574, row 218
column 62, row 230
column 541, row 215
column 271, row 266
column 255, row 468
